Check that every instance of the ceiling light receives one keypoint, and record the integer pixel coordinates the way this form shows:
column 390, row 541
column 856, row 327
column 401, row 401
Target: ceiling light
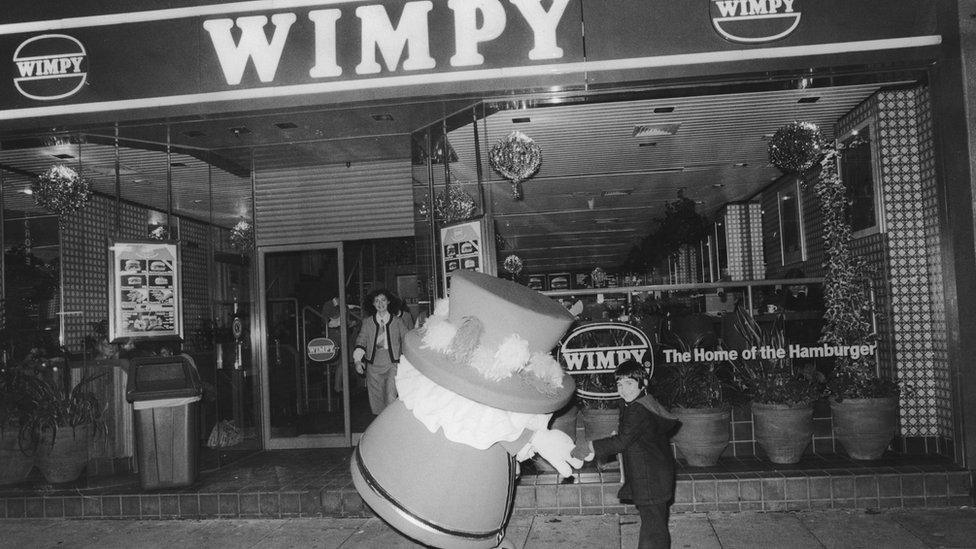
column 617, row 192
column 521, row 120
column 194, row 133
column 659, row 110
column 62, row 156
column 286, row 125
column 197, row 201
column 178, row 164
column 808, row 100
column 27, row 190
column 384, row 117
column 718, row 185
column 650, row 144
column 655, row 130
column 740, row 164
column 239, row 130
column 137, row 181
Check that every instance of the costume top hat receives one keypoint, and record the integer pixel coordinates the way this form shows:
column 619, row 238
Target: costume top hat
column 492, row 345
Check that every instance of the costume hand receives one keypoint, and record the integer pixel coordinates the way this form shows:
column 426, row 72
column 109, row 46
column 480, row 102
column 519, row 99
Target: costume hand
column 584, row 450
column 556, row 447
column 360, row 368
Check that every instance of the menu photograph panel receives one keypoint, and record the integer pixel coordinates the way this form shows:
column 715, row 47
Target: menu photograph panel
column 144, row 291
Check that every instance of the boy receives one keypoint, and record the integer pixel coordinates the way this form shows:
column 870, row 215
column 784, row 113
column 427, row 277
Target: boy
column 648, row 462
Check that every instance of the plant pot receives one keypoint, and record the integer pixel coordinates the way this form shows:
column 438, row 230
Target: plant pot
column 601, row 423
column 15, row 465
column 782, row 431
column 865, row 426
column 704, row 434
column 67, row 457
column 565, row 421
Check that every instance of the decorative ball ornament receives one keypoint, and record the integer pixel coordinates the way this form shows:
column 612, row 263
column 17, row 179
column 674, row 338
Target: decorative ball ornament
column 516, row 157
column 451, row 205
column 599, row 277
column 159, row 233
column 242, row 237
column 513, row 264
column 796, row 147
column 60, row 190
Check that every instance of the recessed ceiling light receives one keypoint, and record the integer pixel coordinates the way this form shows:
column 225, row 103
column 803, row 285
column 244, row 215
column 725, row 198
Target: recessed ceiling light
column 137, row 181
column 194, row 133
column 808, row 100
column 740, row 164
column 655, row 130
column 239, row 130
column 62, row 156
column 286, row 125
column 383, row 117
column 651, row 144
column 521, row 120
column 718, row 185
column 178, row 164
column 659, row 110
column 197, row 201
column 27, row 190
column 617, row 192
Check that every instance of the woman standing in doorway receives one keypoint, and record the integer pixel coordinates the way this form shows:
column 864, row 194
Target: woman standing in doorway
column 378, row 348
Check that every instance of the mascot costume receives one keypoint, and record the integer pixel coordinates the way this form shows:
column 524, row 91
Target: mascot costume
column 477, row 387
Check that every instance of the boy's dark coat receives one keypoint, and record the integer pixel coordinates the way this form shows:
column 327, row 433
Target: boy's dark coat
column 642, row 437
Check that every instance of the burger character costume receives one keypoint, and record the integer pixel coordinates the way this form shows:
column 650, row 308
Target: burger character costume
column 477, row 387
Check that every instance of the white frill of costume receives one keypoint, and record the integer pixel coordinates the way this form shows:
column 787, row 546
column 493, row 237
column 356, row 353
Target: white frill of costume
column 463, row 420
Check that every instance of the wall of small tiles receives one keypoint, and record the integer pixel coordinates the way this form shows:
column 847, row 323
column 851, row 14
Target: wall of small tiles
column 907, row 256
column 744, row 241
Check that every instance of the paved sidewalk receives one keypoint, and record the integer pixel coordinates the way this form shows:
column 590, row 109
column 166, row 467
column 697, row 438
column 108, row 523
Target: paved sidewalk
column 848, row 529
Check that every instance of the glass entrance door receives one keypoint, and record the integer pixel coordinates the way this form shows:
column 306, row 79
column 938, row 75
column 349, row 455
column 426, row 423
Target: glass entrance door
column 304, row 347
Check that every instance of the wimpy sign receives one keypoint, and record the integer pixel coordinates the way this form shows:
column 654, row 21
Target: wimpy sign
column 394, row 42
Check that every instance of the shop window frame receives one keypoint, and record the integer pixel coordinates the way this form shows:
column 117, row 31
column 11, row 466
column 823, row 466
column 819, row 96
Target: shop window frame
column 875, row 164
column 791, row 190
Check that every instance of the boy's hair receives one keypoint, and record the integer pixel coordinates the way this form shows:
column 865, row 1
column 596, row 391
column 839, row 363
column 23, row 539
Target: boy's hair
column 632, row 369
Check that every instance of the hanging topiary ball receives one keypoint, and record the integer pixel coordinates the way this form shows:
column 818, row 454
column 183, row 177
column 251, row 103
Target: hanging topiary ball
column 60, row 190
column 796, row 147
column 516, row 157
column 513, row 264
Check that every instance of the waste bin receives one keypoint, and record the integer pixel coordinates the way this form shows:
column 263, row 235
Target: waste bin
column 165, row 393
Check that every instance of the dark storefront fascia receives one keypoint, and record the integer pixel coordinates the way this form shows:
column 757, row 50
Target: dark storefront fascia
column 626, row 44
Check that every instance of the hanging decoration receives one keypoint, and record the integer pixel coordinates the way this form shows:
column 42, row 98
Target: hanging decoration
column 450, row 205
column 27, row 241
column 513, row 264
column 516, row 157
column 796, row 147
column 599, row 277
column 60, row 190
column 242, row 237
column 161, row 232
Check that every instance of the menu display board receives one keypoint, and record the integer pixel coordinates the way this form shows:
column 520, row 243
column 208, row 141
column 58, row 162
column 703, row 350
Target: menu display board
column 463, row 247
column 144, row 290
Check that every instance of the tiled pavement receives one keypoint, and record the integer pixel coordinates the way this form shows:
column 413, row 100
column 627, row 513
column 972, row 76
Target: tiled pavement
column 307, row 483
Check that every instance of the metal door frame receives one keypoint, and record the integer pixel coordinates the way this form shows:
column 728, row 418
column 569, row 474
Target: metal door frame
column 259, row 353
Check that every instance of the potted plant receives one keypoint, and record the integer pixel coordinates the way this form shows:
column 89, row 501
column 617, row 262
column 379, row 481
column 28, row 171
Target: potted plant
column 697, row 394
column 16, row 461
column 599, row 416
column 863, row 403
column 781, row 393
column 60, row 424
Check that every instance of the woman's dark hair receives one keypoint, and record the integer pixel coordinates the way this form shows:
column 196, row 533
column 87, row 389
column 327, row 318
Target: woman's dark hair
column 633, row 370
column 394, row 301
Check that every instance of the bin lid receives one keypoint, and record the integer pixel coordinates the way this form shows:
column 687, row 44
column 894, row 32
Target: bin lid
column 161, row 377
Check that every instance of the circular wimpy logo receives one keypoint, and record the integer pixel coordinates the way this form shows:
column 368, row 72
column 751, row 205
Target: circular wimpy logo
column 752, row 21
column 50, row 66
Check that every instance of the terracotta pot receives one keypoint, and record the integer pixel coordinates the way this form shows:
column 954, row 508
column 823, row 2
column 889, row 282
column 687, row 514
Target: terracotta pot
column 67, row 457
column 601, row 423
column 704, row 434
column 565, row 421
column 782, row 431
column 865, row 426
column 15, row 465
